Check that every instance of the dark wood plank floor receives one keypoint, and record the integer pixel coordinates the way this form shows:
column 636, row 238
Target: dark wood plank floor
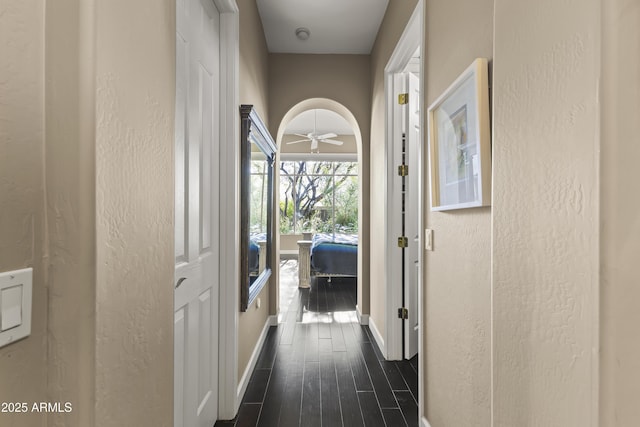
column 319, row 367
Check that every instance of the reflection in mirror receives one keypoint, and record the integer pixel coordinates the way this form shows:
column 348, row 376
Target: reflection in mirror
column 257, row 213
column 258, row 154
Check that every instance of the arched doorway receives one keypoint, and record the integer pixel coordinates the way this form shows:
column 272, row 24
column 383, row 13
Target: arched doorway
column 349, row 150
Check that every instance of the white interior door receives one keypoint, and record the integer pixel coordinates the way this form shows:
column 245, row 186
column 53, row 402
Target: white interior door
column 196, row 213
column 412, row 209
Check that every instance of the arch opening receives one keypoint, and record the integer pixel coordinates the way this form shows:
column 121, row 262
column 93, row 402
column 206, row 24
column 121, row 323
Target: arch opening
column 342, row 111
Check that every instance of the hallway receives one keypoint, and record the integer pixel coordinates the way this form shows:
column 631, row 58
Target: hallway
column 319, row 367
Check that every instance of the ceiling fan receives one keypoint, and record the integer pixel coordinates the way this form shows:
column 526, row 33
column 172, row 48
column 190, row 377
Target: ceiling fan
column 314, row 138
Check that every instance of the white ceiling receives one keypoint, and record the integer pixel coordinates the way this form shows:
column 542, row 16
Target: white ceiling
column 327, row 121
column 336, row 26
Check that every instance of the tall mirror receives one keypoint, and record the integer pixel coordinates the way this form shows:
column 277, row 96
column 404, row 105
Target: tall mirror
column 258, row 155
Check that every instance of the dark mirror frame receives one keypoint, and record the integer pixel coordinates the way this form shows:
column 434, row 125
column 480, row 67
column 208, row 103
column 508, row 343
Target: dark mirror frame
column 253, row 130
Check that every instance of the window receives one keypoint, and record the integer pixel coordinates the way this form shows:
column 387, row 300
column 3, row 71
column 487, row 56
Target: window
column 258, row 195
column 318, row 197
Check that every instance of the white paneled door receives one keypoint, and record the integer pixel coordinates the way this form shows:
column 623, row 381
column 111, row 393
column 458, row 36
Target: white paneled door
column 196, row 213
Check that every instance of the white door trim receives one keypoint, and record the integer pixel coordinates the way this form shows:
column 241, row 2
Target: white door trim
column 393, row 256
column 412, row 37
column 410, row 40
column 229, row 403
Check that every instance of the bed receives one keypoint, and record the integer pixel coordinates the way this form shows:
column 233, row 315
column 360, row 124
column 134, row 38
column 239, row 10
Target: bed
column 257, row 254
column 327, row 255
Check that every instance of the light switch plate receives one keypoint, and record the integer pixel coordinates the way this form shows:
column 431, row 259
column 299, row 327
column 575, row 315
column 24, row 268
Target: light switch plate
column 428, row 239
column 10, row 307
column 15, row 285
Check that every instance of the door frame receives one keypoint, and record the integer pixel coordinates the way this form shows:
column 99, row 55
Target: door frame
column 412, row 37
column 228, row 402
column 410, row 40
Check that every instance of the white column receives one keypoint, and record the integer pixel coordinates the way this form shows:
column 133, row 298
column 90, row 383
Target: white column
column 304, row 263
column 262, row 258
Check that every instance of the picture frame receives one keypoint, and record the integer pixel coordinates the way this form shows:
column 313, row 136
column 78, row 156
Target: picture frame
column 460, row 142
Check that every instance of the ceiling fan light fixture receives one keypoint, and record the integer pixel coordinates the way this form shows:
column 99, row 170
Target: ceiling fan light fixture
column 303, row 33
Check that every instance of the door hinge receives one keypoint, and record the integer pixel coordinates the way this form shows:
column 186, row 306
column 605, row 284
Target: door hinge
column 403, row 170
column 403, row 313
column 403, row 242
column 403, row 98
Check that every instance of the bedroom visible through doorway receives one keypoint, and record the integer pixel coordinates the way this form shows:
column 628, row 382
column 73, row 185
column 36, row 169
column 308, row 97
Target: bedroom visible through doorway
column 318, row 198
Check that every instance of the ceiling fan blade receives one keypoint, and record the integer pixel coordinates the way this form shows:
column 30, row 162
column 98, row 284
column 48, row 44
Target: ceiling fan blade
column 332, row 141
column 299, row 134
column 300, row 140
column 327, row 135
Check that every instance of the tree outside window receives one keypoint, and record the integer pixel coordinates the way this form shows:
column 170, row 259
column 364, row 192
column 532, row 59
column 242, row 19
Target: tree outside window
column 318, row 197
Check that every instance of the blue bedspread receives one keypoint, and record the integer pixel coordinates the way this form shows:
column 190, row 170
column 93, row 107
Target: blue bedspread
column 334, row 254
column 254, row 252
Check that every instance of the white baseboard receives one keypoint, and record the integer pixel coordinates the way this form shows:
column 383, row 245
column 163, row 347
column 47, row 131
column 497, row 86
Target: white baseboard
column 424, row 422
column 363, row 319
column 377, row 336
column 246, row 376
column 288, row 254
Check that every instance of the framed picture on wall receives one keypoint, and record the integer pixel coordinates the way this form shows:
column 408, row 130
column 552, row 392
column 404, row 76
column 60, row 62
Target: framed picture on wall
column 460, row 142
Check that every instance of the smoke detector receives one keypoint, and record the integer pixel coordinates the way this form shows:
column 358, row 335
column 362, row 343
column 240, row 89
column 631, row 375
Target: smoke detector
column 303, row 33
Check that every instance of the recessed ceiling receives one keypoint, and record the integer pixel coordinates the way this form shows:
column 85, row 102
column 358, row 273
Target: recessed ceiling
column 336, row 26
column 325, row 121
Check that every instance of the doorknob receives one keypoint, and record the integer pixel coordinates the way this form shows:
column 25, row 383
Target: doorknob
column 180, row 280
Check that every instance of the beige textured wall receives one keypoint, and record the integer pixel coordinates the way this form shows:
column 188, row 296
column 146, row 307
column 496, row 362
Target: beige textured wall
column 545, row 212
column 254, row 73
column 134, row 137
column 344, row 79
column 620, row 215
column 289, row 241
column 70, row 201
column 254, row 60
column 457, row 326
column 135, row 108
column 251, row 325
column 395, row 20
column 22, row 220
